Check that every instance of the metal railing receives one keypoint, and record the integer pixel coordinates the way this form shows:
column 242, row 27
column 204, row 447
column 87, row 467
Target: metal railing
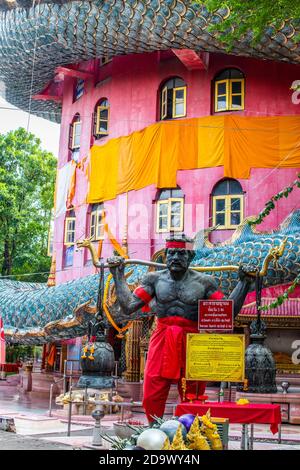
column 63, row 379
column 85, row 401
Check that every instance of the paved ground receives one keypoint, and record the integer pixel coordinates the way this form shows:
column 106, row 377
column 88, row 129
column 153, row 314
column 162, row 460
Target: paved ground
column 10, row 441
column 37, row 431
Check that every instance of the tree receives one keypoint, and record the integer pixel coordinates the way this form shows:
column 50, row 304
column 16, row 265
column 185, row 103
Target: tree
column 27, row 178
column 251, row 16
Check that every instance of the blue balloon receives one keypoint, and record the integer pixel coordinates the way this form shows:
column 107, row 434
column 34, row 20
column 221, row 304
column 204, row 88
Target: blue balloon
column 170, row 427
column 187, row 420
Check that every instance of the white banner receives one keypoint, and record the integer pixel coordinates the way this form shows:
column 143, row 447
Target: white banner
column 63, row 182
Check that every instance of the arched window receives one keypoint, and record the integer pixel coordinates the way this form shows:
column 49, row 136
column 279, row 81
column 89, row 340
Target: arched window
column 170, row 210
column 228, row 204
column 97, row 222
column 173, row 99
column 101, row 119
column 75, row 136
column 229, row 90
column 69, row 239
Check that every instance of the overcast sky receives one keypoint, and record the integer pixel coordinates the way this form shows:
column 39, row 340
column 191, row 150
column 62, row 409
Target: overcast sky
column 47, row 131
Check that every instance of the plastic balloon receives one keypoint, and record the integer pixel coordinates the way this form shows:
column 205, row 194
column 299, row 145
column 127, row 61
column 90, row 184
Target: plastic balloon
column 187, row 420
column 152, row 439
column 170, row 427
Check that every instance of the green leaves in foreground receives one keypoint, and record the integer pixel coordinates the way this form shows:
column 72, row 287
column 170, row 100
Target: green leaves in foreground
column 251, row 18
column 27, row 178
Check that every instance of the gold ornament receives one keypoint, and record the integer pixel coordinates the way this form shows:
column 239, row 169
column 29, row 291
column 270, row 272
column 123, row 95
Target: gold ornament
column 183, row 386
column 196, row 439
column 178, row 442
column 85, row 350
column 166, row 445
column 243, row 401
column 210, row 430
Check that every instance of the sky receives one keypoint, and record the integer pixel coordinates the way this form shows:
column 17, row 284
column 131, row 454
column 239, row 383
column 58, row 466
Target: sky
column 47, row 131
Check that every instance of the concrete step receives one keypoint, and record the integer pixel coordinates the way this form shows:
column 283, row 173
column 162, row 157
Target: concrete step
column 31, row 425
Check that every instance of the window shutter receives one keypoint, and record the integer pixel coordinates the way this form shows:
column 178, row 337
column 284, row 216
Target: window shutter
column 94, row 124
column 164, row 98
column 71, row 129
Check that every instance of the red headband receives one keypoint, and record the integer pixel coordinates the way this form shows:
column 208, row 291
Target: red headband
column 171, row 244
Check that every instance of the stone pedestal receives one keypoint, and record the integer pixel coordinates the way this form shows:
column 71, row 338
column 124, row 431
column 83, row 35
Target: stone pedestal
column 26, row 378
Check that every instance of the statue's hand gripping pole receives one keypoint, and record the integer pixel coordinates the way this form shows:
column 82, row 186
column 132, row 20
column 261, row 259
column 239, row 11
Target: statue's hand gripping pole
column 273, row 255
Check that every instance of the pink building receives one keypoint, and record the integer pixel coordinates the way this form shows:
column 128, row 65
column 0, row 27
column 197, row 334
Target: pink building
column 107, row 99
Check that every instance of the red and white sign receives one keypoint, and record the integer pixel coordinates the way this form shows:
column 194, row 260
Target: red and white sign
column 215, row 315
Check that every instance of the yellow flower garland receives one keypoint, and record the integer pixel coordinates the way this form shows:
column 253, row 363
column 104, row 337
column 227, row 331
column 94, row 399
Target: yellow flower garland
column 108, row 314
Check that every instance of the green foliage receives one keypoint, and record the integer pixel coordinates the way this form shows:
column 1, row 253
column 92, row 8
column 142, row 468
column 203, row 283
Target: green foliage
column 282, row 298
column 17, row 352
column 27, row 178
column 270, row 205
column 251, row 17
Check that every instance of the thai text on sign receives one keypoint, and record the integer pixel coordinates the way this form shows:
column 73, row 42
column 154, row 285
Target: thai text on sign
column 215, row 315
column 215, row 357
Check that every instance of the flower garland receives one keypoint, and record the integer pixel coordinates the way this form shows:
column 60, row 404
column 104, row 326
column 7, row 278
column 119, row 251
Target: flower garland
column 120, row 331
column 270, row 205
column 282, row 298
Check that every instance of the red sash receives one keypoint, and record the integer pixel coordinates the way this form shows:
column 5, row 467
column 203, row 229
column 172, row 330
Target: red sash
column 167, row 348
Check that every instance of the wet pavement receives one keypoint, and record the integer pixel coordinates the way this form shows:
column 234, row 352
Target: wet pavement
column 14, row 400
column 39, row 432
column 10, row 441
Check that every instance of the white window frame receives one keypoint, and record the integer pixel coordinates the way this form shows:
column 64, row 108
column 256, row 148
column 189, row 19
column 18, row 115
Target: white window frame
column 98, row 225
column 69, row 231
column 168, row 202
column 75, row 125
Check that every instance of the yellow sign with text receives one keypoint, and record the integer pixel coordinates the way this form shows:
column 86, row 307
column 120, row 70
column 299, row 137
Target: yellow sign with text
column 215, row 357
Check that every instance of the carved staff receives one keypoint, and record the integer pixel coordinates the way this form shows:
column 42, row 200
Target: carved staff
column 273, row 255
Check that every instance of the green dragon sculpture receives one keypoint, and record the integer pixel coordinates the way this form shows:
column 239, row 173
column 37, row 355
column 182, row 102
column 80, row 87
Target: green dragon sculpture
column 61, row 32
column 35, row 313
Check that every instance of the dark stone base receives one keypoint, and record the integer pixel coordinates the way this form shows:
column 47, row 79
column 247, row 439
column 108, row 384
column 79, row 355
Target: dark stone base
column 95, row 381
column 258, row 389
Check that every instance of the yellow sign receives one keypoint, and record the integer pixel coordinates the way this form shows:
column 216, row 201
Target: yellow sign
column 215, row 357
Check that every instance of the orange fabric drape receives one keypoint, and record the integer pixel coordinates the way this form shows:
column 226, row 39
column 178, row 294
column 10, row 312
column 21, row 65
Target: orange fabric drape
column 72, row 188
column 112, row 240
column 52, row 355
column 155, row 154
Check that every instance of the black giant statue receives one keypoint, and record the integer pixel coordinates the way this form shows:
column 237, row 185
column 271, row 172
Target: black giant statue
column 176, row 291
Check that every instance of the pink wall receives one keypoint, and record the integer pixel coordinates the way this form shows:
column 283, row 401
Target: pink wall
column 131, row 84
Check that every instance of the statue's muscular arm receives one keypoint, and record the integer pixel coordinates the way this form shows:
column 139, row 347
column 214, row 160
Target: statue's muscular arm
column 128, row 301
column 239, row 293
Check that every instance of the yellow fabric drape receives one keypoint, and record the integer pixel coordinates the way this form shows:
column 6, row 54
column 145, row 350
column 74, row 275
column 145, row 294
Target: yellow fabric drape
column 155, row 154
